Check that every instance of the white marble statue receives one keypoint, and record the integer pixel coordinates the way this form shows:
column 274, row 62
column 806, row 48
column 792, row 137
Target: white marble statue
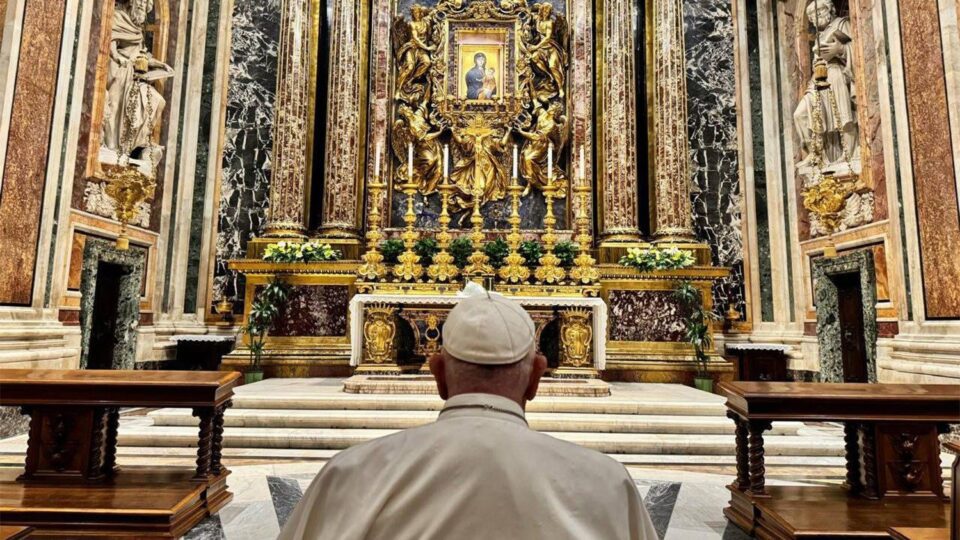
column 832, row 45
column 133, row 104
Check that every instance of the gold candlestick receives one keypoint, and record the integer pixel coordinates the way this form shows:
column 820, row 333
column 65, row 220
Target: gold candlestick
column 373, row 268
column 408, row 266
column 443, row 268
column 514, row 269
column 584, row 270
column 550, row 271
column 479, row 262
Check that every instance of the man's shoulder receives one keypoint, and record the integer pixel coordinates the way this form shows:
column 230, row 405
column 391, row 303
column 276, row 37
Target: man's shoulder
column 559, row 449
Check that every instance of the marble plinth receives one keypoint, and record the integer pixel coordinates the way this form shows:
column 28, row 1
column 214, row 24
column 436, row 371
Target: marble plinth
column 425, row 384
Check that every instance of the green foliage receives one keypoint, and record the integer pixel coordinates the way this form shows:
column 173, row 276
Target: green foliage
column 391, row 249
column 697, row 321
column 566, row 251
column 300, row 252
column 531, row 251
column 648, row 260
column 263, row 312
column 497, row 250
column 460, row 249
column 426, row 248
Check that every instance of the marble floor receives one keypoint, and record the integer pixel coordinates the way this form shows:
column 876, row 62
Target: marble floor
column 682, row 505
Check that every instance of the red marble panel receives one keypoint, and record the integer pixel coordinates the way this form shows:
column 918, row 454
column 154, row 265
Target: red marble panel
column 3, row 17
column 28, row 142
column 935, row 188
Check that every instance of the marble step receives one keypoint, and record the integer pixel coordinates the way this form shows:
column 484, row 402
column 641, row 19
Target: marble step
column 393, row 419
column 610, row 443
column 611, row 405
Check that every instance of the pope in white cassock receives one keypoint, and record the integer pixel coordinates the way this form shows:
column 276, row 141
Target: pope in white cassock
column 479, row 471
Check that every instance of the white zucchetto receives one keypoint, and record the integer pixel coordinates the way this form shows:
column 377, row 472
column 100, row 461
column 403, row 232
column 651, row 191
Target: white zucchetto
column 489, row 329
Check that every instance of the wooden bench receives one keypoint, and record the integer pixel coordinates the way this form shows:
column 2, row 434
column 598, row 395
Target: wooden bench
column 892, row 458
column 71, row 484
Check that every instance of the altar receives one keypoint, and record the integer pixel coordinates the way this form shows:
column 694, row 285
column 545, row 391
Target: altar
column 377, row 321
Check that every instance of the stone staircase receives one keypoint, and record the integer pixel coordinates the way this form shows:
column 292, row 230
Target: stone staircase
column 637, row 424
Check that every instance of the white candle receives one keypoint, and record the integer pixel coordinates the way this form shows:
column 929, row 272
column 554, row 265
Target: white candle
column 446, row 161
column 583, row 166
column 515, row 156
column 376, row 165
column 550, row 162
column 409, row 162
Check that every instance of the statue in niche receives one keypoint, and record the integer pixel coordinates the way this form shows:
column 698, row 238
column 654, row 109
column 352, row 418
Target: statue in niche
column 478, row 171
column 827, row 119
column 550, row 127
column 412, row 126
column 133, row 105
column 413, row 55
column 547, row 55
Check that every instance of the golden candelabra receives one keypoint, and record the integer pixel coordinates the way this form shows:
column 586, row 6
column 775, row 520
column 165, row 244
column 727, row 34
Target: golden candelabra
column 479, row 261
column 373, row 268
column 584, row 269
column 514, row 269
column 443, row 268
column 550, row 271
column 408, row 266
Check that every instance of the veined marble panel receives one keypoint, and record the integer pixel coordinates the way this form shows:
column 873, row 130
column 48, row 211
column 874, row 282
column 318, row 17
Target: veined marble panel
column 645, row 316
column 313, row 311
column 248, row 139
column 712, row 125
column 28, row 142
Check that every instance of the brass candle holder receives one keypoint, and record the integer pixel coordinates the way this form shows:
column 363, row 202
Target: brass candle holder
column 550, row 271
column 584, row 269
column 479, row 261
column 373, row 268
column 514, row 269
column 443, row 268
column 408, row 266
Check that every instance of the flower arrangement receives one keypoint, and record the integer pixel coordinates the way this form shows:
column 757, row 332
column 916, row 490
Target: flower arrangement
column 300, row 252
column 461, row 248
column 497, row 250
column 647, row 260
column 391, row 250
column 531, row 251
column 566, row 251
column 426, row 248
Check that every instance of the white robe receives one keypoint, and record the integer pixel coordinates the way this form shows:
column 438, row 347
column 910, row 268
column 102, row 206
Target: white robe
column 477, row 472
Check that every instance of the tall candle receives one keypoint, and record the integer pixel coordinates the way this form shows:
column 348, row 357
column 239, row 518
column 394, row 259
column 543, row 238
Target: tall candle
column 376, row 165
column 583, row 166
column 550, row 162
column 409, row 162
column 516, row 152
column 446, row 161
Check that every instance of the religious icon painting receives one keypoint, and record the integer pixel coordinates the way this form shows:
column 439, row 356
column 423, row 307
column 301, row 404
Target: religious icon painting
column 481, row 65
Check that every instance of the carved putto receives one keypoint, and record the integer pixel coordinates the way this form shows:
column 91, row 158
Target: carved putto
column 480, row 76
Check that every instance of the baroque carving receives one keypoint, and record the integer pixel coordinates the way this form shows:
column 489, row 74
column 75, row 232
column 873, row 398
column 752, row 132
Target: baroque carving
column 479, row 77
column 379, row 330
column 576, row 335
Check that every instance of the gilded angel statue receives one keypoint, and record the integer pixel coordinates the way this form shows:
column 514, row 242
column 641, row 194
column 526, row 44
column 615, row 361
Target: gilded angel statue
column 549, row 126
column 548, row 55
column 412, row 126
column 410, row 41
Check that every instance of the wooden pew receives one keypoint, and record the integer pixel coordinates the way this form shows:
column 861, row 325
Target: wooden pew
column 70, row 483
column 892, row 453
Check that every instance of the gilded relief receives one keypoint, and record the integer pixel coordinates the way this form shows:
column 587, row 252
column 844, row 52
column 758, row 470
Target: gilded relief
column 479, row 77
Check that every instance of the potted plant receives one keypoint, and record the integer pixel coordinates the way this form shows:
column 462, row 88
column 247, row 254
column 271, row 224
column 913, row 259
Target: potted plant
column 460, row 249
column 391, row 250
column 697, row 322
column 566, row 251
column 497, row 250
column 264, row 310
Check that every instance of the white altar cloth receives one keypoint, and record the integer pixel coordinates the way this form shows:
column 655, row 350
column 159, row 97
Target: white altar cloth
column 597, row 305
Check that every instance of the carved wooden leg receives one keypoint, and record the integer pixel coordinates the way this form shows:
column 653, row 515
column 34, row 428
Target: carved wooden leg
column 757, row 469
column 742, row 482
column 110, row 459
column 98, row 439
column 851, row 438
column 216, row 447
column 205, row 441
column 868, row 455
column 33, row 441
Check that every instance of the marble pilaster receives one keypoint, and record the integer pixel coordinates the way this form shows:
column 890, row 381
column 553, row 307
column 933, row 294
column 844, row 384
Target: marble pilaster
column 617, row 179
column 287, row 196
column 345, row 121
column 580, row 18
column 673, row 210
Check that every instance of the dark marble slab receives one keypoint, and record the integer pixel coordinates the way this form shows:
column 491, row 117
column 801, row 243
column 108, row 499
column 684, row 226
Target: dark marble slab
column 645, row 316
column 285, row 493
column 12, row 422
column 313, row 310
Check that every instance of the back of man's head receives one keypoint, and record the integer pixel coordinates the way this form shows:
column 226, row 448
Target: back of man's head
column 489, row 346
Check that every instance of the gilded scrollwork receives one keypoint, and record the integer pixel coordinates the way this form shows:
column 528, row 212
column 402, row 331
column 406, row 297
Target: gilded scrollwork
column 480, row 76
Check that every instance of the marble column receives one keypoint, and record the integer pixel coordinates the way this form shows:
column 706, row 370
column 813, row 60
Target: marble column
column 347, row 87
column 617, row 178
column 287, row 196
column 672, row 183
